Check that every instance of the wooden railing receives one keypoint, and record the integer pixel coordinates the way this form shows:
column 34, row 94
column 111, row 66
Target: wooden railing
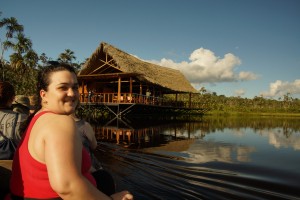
column 134, row 98
column 123, row 98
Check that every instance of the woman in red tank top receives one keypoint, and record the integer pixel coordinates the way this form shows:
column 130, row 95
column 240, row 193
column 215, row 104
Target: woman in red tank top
column 50, row 162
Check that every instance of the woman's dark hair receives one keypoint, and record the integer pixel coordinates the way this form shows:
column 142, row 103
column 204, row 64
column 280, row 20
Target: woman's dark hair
column 7, row 93
column 43, row 82
column 43, row 79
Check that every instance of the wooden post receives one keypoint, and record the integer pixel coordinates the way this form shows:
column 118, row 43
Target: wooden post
column 190, row 100
column 130, row 86
column 141, row 89
column 119, row 89
column 141, row 93
column 153, row 98
column 160, row 98
column 82, row 91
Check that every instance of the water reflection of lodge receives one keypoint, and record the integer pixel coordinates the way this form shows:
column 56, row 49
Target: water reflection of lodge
column 150, row 134
column 112, row 77
column 127, row 137
column 149, row 139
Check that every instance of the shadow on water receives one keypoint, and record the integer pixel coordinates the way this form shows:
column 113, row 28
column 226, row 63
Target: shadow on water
column 209, row 158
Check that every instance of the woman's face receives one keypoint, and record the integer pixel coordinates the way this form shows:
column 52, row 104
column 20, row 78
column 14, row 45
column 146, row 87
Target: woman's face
column 62, row 95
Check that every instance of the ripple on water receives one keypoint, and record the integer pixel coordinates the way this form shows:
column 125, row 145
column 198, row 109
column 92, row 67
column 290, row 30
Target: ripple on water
column 154, row 176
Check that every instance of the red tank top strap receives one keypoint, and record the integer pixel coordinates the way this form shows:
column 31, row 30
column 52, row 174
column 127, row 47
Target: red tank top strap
column 32, row 122
column 36, row 116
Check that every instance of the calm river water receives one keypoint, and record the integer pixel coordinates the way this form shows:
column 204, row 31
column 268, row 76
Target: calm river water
column 210, row 158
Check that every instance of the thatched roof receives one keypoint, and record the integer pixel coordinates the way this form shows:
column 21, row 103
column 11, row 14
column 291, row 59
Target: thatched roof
column 124, row 63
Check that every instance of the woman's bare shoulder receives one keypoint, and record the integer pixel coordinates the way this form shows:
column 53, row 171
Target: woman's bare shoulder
column 53, row 117
column 55, row 123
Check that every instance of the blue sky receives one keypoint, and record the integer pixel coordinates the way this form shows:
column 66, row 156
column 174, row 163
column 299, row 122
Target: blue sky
column 241, row 48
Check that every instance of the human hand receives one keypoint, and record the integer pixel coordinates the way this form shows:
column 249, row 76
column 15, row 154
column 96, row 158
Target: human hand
column 124, row 195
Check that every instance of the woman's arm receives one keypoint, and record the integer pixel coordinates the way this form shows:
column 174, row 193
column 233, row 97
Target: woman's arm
column 62, row 153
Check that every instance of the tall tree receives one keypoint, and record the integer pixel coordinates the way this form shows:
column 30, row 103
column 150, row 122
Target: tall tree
column 202, row 90
column 31, row 59
column 43, row 58
column 23, row 44
column 12, row 27
column 67, row 56
column 23, row 57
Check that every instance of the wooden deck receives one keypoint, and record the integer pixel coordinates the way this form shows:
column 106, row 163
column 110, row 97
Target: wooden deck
column 134, row 98
column 125, row 104
column 130, row 98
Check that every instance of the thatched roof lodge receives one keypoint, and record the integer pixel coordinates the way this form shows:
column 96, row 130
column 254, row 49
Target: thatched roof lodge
column 110, row 70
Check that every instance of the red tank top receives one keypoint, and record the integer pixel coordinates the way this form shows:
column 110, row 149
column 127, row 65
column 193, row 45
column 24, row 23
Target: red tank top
column 30, row 178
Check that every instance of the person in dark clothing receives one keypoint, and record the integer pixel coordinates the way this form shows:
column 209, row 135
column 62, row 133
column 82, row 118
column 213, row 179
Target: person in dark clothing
column 10, row 121
column 9, row 132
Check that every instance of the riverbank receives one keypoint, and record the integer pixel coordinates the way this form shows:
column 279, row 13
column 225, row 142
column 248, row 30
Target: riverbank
column 218, row 113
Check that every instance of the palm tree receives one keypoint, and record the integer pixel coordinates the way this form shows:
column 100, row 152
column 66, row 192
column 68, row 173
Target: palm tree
column 67, row 56
column 43, row 58
column 17, row 61
column 202, row 90
column 31, row 59
column 12, row 26
column 24, row 57
column 23, row 44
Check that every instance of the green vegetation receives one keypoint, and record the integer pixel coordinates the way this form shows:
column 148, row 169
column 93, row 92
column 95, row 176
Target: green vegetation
column 221, row 105
column 23, row 64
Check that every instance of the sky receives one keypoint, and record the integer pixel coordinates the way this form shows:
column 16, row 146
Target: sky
column 243, row 48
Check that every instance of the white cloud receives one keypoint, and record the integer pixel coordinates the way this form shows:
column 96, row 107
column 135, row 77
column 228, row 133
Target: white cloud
column 280, row 88
column 205, row 67
column 247, row 76
column 239, row 92
column 279, row 140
